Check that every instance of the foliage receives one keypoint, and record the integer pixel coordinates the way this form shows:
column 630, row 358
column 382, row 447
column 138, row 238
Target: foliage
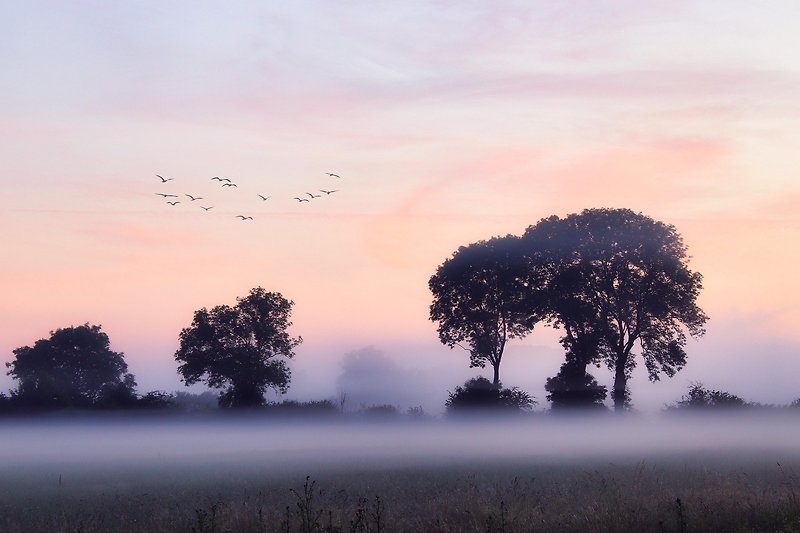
column 156, row 400
column 480, row 299
column 480, row 394
column 699, row 397
column 618, row 279
column 73, row 368
column 241, row 349
column 310, row 407
column 574, row 388
column 187, row 401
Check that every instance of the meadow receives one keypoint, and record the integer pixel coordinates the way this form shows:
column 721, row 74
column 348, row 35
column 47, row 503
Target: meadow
column 524, row 475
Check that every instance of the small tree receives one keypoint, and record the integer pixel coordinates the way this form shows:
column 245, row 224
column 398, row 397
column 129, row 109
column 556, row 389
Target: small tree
column 480, row 299
column 73, row 368
column 241, row 349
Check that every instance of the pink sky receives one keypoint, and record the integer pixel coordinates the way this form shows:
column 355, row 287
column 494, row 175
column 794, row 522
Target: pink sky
column 449, row 122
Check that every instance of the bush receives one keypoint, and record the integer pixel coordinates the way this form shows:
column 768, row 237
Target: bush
column 574, row 388
column 156, row 400
column 301, row 408
column 699, row 397
column 480, row 394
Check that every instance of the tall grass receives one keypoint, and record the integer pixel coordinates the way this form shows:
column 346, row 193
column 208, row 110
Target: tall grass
column 675, row 495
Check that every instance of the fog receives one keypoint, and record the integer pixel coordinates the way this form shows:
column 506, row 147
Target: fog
column 311, row 445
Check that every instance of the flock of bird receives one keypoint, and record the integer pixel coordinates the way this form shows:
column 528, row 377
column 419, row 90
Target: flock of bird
column 227, row 182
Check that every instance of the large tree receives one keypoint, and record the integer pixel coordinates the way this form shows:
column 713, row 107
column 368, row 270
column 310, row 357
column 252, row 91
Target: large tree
column 619, row 280
column 482, row 299
column 241, row 349
column 73, row 368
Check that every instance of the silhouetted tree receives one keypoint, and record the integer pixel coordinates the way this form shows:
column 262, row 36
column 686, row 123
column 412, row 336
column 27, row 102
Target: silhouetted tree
column 574, row 388
column 73, row 368
column 619, row 279
column 241, row 349
column 480, row 299
column 480, row 394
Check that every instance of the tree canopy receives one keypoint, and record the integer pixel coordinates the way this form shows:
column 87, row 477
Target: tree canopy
column 619, row 279
column 611, row 279
column 73, row 368
column 242, row 350
column 480, row 298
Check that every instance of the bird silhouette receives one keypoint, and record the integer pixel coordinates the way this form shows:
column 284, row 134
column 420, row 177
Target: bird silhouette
column 333, row 175
column 173, row 203
column 206, row 208
column 216, row 178
column 265, row 198
column 328, row 192
column 229, row 185
column 244, row 217
column 225, row 179
column 302, row 199
column 167, row 195
column 314, row 195
column 163, row 180
column 194, row 197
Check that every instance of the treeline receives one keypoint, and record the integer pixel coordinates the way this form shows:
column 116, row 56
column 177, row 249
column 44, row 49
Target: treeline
column 615, row 283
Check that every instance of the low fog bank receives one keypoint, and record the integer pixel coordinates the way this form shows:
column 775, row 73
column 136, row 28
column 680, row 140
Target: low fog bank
column 253, row 439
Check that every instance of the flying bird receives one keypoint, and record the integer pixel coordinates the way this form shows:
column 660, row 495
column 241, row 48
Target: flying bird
column 265, row 198
column 225, row 179
column 167, row 195
column 216, row 178
column 244, row 217
column 328, row 192
column 173, row 203
column 333, row 175
column 206, row 208
column 314, row 195
column 194, row 197
column 302, row 199
column 229, row 185
column 163, row 180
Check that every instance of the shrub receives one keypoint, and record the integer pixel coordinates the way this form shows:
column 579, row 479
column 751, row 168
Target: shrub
column 480, row 394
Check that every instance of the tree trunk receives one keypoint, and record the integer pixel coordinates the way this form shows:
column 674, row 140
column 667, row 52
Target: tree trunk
column 496, row 381
column 620, row 386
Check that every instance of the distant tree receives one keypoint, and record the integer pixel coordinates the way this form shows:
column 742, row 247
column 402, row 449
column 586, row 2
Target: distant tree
column 699, row 397
column 480, row 299
column 574, row 388
column 241, row 349
column 73, row 368
column 480, row 394
column 619, row 279
column 187, row 401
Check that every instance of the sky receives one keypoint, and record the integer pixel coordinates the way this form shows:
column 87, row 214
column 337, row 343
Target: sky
column 448, row 122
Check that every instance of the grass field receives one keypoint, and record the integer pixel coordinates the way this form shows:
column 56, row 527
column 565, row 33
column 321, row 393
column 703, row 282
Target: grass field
column 266, row 488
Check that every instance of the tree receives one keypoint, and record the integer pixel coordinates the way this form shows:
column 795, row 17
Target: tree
column 480, row 394
column 241, row 349
column 481, row 298
column 73, row 368
column 619, row 279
